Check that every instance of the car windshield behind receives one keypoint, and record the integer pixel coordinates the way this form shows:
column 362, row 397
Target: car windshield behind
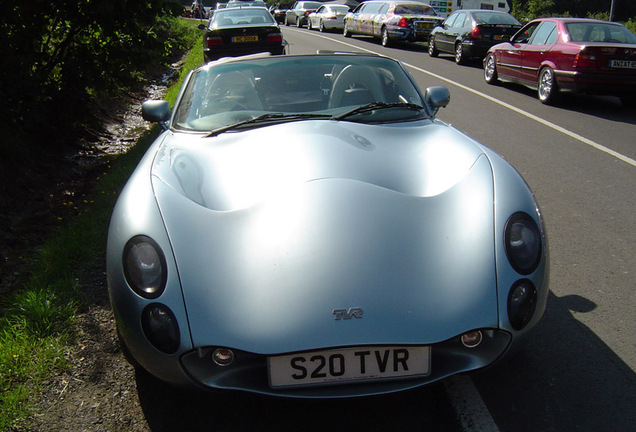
column 414, row 9
column 226, row 92
column 599, row 32
column 495, row 18
column 240, row 17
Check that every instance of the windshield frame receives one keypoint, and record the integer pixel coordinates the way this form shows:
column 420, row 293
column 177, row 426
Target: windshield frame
column 191, row 88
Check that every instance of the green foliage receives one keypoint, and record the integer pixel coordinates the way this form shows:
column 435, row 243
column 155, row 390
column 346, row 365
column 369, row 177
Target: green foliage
column 37, row 322
column 58, row 56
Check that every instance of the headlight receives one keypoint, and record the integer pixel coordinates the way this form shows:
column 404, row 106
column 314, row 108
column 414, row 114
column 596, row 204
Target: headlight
column 523, row 243
column 144, row 266
column 522, row 301
column 160, row 327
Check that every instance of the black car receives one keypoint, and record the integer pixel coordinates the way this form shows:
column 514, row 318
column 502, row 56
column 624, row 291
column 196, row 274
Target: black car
column 299, row 12
column 469, row 33
column 239, row 31
column 278, row 13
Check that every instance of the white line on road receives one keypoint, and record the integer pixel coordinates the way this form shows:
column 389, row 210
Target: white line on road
column 471, row 412
column 531, row 116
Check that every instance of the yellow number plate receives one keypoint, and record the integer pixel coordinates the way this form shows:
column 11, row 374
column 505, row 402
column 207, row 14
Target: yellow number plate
column 249, row 38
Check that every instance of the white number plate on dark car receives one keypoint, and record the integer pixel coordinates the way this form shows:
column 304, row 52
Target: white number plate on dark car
column 348, row 364
column 623, row 64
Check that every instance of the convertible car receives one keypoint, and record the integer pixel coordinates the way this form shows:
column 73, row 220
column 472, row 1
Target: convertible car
column 305, row 226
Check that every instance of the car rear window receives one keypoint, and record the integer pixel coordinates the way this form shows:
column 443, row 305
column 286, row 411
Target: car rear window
column 599, row 32
column 495, row 18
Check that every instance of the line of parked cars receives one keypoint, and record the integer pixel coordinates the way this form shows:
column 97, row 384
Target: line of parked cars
column 551, row 55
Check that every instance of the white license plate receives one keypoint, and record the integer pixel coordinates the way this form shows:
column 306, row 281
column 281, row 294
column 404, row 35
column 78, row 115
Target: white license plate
column 348, row 364
column 623, row 64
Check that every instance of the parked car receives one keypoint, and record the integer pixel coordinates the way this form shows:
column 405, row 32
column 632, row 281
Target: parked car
column 328, row 17
column 306, row 227
column 243, row 3
column 470, row 33
column 555, row 55
column 299, row 12
column 278, row 13
column 240, row 31
column 392, row 21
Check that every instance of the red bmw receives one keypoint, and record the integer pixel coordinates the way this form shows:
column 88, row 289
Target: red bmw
column 555, row 55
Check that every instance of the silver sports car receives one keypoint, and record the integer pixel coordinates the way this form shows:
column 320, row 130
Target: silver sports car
column 304, row 226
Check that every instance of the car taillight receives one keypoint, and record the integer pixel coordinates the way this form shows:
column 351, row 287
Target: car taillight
column 214, row 41
column 403, row 23
column 274, row 37
column 475, row 33
column 583, row 60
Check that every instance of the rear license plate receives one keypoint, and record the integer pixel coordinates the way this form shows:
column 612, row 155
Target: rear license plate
column 623, row 64
column 247, row 38
column 422, row 25
column 348, row 364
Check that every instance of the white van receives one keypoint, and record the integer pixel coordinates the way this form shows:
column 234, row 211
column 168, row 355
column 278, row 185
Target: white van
column 445, row 7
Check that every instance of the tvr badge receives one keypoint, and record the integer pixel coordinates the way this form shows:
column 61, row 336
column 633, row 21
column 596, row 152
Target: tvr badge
column 347, row 313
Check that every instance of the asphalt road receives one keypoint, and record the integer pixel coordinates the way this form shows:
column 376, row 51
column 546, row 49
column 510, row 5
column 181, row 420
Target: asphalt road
column 577, row 373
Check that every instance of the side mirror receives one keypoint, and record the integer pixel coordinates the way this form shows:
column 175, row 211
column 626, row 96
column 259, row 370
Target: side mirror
column 157, row 111
column 437, row 97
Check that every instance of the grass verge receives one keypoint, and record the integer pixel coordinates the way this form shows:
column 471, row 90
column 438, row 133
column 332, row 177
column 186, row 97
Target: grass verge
column 38, row 321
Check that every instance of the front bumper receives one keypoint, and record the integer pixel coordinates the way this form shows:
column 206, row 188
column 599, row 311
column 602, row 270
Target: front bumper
column 249, row 371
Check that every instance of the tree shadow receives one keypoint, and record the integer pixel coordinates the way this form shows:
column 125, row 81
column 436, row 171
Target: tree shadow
column 564, row 379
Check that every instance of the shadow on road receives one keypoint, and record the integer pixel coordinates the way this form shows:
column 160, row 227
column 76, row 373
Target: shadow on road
column 565, row 379
column 170, row 409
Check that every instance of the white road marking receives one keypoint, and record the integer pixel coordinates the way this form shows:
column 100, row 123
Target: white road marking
column 471, row 412
column 531, row 116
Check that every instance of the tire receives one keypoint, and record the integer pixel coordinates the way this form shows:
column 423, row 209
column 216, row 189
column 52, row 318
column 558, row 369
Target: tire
column 385, row 41
column 432, row 51
column 547, row 90
column 321, row 26
column 345, row 32
column 286, row 21
column 309, row 27
column 460, row 58
column 298, row 22
column 490, row 69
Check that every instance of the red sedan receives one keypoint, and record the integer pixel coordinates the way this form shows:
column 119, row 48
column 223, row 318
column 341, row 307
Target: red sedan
column 556, row 55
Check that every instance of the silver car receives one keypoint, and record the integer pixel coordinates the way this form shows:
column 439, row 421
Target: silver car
column 306, row 227
column 328, row 17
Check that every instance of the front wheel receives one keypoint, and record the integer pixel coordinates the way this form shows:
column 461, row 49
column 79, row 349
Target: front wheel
column 548, row 91
column 321, row 26
column 385, row 38
column 286, row 21
column 432, row 51
column 490, row 69
column 309, row 27
column 298, row 22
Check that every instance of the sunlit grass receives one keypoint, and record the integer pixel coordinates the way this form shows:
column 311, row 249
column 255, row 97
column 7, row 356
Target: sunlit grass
column 38, row 321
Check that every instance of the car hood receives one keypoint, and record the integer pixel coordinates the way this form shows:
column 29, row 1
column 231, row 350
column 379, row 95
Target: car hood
column 273, row 229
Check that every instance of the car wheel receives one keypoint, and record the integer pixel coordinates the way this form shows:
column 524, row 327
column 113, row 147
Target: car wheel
column 548, row 90
column 345, row 32
column 309, row 27
column 286, row 21
column 459, row 54
column 298, row 22
column 432, row 51
column 321, row 26
column 385, row 38
column 490, row 69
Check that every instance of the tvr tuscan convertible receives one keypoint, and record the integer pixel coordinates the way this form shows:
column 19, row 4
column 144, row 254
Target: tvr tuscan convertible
column 304, row 226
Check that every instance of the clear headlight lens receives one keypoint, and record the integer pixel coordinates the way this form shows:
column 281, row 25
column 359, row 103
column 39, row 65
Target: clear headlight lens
column 523, row 243
column 144, row 266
